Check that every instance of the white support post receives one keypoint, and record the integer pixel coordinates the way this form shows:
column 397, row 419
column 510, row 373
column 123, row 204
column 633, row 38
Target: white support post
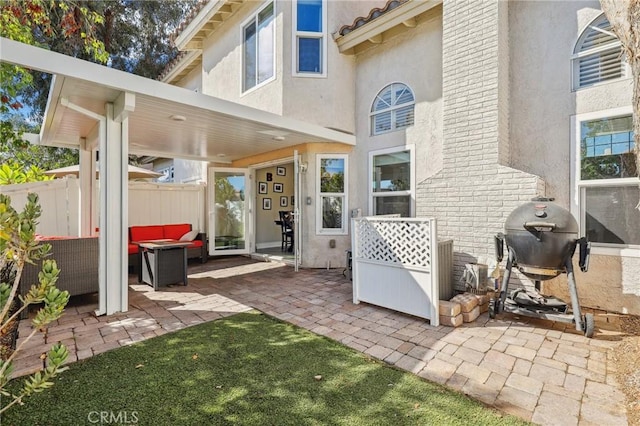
column 435, row 274
column 113, row 214
column 86, row 179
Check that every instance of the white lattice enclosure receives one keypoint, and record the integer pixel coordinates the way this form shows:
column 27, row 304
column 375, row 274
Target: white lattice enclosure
column 395, row 264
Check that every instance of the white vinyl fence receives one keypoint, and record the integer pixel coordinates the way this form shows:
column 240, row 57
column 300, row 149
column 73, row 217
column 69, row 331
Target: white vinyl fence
column 395, row 264
column 165, row 203
column 59, row 200
column 149, row 204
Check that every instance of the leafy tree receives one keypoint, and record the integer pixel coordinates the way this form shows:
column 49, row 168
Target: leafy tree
column 135, row 33
column 13, row 172
column 139, row 40
column 17, row 248
column 624, row 16
column 36, row 22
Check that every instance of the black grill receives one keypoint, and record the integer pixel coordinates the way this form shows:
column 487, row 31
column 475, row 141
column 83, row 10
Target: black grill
column 541, row 238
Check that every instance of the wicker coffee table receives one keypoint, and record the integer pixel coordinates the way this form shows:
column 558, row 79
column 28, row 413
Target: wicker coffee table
column 162, row 263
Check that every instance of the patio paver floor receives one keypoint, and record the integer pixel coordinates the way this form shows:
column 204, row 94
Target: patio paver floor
column 542, row 372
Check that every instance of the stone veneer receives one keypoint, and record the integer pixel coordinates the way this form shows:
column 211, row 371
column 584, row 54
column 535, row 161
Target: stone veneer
column 476, row 190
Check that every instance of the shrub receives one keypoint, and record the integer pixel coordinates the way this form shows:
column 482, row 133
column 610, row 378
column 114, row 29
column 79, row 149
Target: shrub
column 18, row 247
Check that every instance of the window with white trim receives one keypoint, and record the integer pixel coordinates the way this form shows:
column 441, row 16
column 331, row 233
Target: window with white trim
column 392, row 109
column 309, row 37
column 331, row 212
column 597, row 56
column 391, row 184
column 258, row 42
column 607, row 186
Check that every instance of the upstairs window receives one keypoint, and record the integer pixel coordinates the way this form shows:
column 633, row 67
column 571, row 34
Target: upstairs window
column 597, row 56
column 259, row 48
column 309, row 40
column 392, row 109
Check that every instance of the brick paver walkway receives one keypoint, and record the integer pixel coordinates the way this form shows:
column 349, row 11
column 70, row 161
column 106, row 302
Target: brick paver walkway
column 536, row 370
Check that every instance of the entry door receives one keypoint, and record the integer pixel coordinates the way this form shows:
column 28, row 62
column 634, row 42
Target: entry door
column 297, row 216
column 229, row 209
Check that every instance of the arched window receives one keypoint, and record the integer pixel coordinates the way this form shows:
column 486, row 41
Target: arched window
column 392, row 109
column 597, row 56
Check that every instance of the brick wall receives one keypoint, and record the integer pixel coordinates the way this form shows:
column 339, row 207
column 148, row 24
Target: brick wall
column 476, row 189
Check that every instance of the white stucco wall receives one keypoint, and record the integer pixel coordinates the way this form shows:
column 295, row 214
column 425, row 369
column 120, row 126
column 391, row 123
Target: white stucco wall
column 387, row 63
column 328, row 101
column 375, row 68
column 542, row 37
column 316, row 249
column 222, row 62
column 192, row 81
column 475, row 190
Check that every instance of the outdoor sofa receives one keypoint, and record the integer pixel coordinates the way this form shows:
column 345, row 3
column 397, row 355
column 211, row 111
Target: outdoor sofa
column 174, row 232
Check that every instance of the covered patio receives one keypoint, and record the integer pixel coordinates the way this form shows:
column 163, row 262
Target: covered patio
column 535, row 369
column 96, row 109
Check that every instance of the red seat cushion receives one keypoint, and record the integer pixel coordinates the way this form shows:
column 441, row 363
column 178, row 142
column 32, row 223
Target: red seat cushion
column 174, row 232
column 194, row 244
column 132, row 249
column 144, row 233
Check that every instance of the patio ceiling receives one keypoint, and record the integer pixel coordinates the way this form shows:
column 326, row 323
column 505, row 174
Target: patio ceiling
column 212, row 129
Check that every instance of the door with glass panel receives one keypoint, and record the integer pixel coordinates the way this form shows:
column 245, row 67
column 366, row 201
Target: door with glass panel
column 229, row 209
column 297, row 212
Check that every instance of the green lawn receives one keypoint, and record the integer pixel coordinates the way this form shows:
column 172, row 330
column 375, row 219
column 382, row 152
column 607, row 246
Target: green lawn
column 247, row 369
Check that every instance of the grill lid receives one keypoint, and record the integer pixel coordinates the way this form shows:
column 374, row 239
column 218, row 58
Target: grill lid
column 542, row 214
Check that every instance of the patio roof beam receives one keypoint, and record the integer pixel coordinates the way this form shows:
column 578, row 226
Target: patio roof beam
column 92, row 140
column 65, row 103
column 125, row 104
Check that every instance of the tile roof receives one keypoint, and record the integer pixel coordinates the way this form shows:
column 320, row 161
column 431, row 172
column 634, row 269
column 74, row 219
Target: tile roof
column 373, row 14
column 181, row 27
column 171, row 64
column 189, row 18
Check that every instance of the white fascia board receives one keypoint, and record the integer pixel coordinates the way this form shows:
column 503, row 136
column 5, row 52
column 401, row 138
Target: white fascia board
column 183, row 63
column 404, row 13
column 196, row 24
column 58, row 64
column 51, row 119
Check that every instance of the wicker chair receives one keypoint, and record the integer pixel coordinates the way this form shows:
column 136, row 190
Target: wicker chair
column 78, row 261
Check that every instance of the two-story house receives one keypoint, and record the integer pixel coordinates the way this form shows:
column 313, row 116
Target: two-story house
column 461, row 111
